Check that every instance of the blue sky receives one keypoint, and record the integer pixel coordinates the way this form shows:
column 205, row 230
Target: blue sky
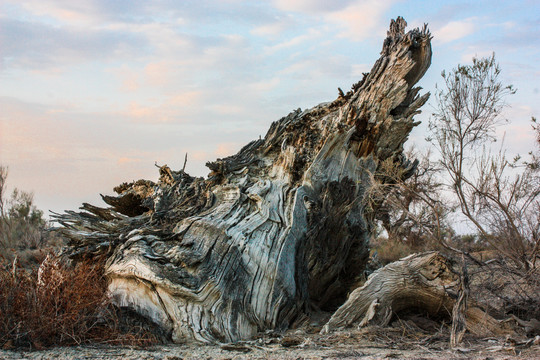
column 93, row 93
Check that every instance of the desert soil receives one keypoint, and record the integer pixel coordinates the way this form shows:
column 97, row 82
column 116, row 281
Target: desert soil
column 368, row 343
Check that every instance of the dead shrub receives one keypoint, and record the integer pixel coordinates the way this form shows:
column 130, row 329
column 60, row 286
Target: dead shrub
column 58, row 305
column 386, row 250
column 506, row 289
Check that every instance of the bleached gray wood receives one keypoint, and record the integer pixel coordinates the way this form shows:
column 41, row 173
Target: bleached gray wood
column 276, row 230
column 422, row 282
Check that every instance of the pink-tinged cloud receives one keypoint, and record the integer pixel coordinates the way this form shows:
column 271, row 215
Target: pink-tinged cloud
column 128, row 160
column 188, row 98
column 128, row 77
column 67, row 158
column 362, row 19
column 159, row 73
column 226, row 149
column 178, row 108
column 357, row 19
column 198, row 155
column 140, row 111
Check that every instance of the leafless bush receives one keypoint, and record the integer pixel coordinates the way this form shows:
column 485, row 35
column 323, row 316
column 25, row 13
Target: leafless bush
column 498, row 196
column 408, row 204
column 59, row 305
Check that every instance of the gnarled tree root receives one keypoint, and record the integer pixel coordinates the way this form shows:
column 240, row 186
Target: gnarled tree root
column 422, row 282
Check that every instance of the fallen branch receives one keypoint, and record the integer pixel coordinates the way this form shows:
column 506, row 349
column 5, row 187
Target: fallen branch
column 422, row 282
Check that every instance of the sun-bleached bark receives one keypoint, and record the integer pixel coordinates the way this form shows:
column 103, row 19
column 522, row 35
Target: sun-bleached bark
column 424, row 283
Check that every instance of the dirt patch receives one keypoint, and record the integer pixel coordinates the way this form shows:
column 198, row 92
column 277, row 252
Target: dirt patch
column 403, row 340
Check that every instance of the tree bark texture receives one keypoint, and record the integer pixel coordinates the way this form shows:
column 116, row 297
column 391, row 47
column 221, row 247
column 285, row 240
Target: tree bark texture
column 424, row 283
column 278, row 229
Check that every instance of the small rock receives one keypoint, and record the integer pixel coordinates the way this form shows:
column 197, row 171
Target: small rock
column 236, row 347
column 289, row 341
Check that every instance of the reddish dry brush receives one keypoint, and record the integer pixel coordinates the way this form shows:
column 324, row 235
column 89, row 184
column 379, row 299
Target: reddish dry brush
column 58, row 305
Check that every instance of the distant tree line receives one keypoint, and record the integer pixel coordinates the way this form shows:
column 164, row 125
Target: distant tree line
column 23, row 227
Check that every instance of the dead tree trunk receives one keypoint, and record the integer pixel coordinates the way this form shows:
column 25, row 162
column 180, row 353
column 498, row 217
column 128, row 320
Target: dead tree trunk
column 422, row 282
column 277, row 229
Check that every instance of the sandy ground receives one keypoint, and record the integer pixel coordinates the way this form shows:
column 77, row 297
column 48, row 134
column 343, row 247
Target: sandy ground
column 388, row 343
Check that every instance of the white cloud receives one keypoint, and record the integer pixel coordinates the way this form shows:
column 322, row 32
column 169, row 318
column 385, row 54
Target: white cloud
column 307, row 69
column 264, row 85
column 141, row 81
column 80, row 13
column 467, row 57
column 519, row 137
column 274, row 28
column 35, row 45
column 359, row 69
column 506, row 25
column 228, row 109
column 454, row 30
column 294, row 42
column 311, row 6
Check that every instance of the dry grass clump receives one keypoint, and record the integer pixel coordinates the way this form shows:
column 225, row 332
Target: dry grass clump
column 58, row 305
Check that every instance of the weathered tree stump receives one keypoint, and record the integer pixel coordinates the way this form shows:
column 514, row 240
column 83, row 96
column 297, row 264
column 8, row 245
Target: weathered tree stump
column 278, row 229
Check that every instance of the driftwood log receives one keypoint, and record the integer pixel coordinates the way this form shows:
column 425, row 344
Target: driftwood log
column 425, row 283
column 275, row 232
